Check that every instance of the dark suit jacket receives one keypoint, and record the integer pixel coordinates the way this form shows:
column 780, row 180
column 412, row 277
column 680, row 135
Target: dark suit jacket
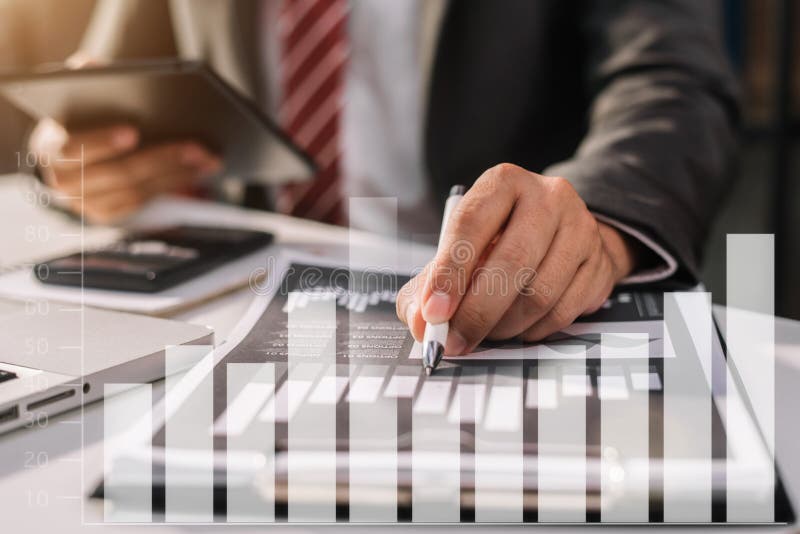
column 631, row 100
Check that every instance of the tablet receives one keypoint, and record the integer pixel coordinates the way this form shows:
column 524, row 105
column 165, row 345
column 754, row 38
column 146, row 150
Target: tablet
column 165, row 99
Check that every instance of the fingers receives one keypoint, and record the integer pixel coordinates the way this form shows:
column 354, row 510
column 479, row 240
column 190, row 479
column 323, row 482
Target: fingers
column 104, row 173
column 92, row 146
column 588, row 290
column 520, row 256
column 572, row 245
column 110, row 190
column 408, row 299
column 493, row 284
column 148, row 168
column 476, row 221
column 112, row 206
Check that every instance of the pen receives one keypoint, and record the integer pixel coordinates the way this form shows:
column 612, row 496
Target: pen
column 436, row 334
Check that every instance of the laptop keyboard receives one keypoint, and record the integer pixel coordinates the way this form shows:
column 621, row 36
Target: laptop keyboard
column 5, row 376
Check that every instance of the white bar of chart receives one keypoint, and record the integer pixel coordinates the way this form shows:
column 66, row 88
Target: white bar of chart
column 290, row 396
column 127, row 488
column 575, row 382
column 402, row 386
column 562, row 441
column 470, row 397
column 250, row 443
column 331, row 385
column 188, row 440
column 687, row 472
column 750, row 329
column 434, row 395
column 436, row 453
column 611, row 383
column 624, row 345
column 311, row 491
column 624, row 446
column 644, row 379
column 542, row 391
column 249, row 399
column 372, row 416
column 366, row 387
column 373, row 432
column 498, row 447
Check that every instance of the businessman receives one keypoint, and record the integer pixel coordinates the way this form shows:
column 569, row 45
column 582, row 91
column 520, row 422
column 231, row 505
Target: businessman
column 594, row 136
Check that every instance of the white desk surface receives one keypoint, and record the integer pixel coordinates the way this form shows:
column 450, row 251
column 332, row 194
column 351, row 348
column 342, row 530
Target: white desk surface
column 52, row 498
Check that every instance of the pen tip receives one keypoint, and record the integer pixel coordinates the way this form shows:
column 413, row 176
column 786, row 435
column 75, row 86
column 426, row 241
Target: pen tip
column 428, row 371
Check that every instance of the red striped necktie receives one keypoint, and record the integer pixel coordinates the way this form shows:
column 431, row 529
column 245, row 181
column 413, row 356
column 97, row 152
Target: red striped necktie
column 314, row 51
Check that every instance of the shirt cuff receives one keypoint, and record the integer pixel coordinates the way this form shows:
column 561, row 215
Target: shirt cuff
column 652, row 274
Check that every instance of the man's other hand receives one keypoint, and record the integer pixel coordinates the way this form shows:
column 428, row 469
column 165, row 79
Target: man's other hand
column 118, row 174
column 522, row 257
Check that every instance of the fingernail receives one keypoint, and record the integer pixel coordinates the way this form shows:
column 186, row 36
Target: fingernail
column 437, row 309
column 456, row 344
column 124, row 137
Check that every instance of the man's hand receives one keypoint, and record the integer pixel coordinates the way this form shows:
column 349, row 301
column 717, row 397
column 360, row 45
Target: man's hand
column 522, row 257
column 118, row 175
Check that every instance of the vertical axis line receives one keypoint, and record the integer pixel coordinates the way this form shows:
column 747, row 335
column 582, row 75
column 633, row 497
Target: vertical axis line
column 83, row 342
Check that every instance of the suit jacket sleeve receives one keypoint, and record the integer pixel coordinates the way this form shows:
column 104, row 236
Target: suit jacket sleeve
column 661, row 127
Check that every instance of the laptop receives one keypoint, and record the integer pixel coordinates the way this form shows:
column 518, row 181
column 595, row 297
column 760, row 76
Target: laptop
column 53, row 357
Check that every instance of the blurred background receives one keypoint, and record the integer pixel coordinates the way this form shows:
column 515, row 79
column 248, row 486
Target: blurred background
column 762, row 38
